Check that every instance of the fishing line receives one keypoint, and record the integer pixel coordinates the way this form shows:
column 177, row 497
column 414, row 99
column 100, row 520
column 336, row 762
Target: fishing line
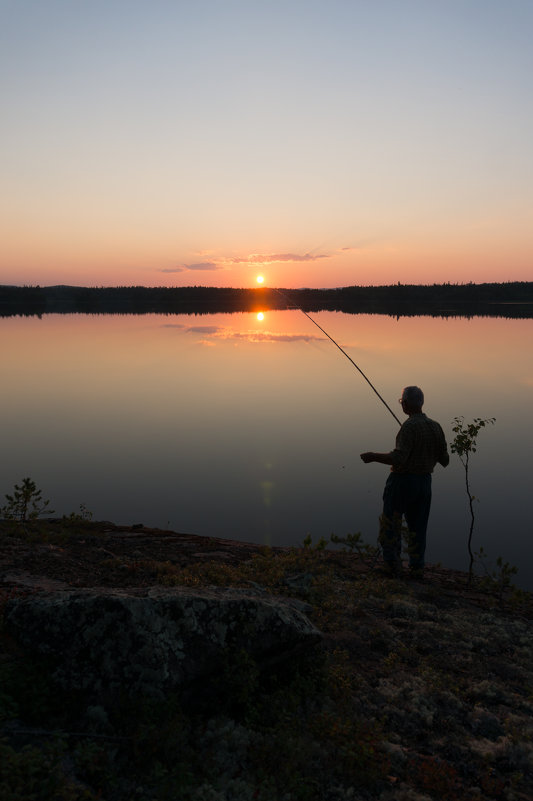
column 371, row 385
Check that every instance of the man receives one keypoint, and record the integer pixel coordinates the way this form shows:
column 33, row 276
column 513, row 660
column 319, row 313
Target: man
column 420, row 444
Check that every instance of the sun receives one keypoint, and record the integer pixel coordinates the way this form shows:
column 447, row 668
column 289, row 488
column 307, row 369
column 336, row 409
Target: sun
column 260, row 279
column 260, row 316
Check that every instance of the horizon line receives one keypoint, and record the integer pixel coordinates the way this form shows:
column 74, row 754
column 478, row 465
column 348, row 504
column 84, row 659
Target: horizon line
column 262, row 288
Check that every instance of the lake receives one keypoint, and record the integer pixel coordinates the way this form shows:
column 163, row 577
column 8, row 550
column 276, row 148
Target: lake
column 250, row 426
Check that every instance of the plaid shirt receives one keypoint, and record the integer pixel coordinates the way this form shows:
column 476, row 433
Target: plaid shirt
column 420, row 444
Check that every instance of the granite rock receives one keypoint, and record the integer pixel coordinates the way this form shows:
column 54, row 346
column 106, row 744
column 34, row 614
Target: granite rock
column 154, row 641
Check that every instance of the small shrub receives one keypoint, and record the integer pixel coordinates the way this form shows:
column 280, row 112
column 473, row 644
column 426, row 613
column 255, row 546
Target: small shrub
column 26, row 503
column 321, row 545
column 83, row 516
column 497, row 579
column 354, row 543
column 464, row 444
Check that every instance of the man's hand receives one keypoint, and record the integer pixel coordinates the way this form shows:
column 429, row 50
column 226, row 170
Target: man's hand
column 367, row 457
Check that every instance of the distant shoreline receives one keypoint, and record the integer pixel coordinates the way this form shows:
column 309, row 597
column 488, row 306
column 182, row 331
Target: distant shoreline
column 513, row 299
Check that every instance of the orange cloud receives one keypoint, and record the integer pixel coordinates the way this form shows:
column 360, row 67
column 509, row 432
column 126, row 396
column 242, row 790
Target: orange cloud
column 222, row 332
column 209, row 261
column 205, row 265
column 205, row 329
column 256, row 258
column 267, row 336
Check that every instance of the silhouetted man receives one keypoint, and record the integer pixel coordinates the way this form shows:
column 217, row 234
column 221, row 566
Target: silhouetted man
column 420, row 444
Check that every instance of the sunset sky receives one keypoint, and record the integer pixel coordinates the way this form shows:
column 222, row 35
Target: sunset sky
column 317, row 143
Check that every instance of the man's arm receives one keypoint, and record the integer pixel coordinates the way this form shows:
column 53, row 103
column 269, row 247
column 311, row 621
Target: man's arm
column 382, row 458
column 444, row 457
column 397, row 456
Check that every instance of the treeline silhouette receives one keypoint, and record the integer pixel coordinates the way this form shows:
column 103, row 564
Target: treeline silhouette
column 510, row 299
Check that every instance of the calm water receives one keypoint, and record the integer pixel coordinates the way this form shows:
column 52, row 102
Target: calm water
column 231, row 426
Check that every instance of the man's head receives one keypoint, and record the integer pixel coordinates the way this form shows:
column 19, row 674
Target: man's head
column 412, row 400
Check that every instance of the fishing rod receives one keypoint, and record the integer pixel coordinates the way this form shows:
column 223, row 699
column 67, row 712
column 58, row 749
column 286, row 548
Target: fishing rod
column 341, row 350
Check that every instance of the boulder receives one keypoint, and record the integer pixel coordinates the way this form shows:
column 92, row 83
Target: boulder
column 154, row 641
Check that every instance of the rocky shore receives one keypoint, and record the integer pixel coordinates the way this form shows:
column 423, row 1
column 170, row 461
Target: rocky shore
column 316, row 676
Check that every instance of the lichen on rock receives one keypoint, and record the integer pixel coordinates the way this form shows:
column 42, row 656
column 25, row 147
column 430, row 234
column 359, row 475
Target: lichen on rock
column 154, row 641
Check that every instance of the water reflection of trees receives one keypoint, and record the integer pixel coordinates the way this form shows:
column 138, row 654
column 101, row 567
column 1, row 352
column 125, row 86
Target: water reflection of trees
column 513, row 299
